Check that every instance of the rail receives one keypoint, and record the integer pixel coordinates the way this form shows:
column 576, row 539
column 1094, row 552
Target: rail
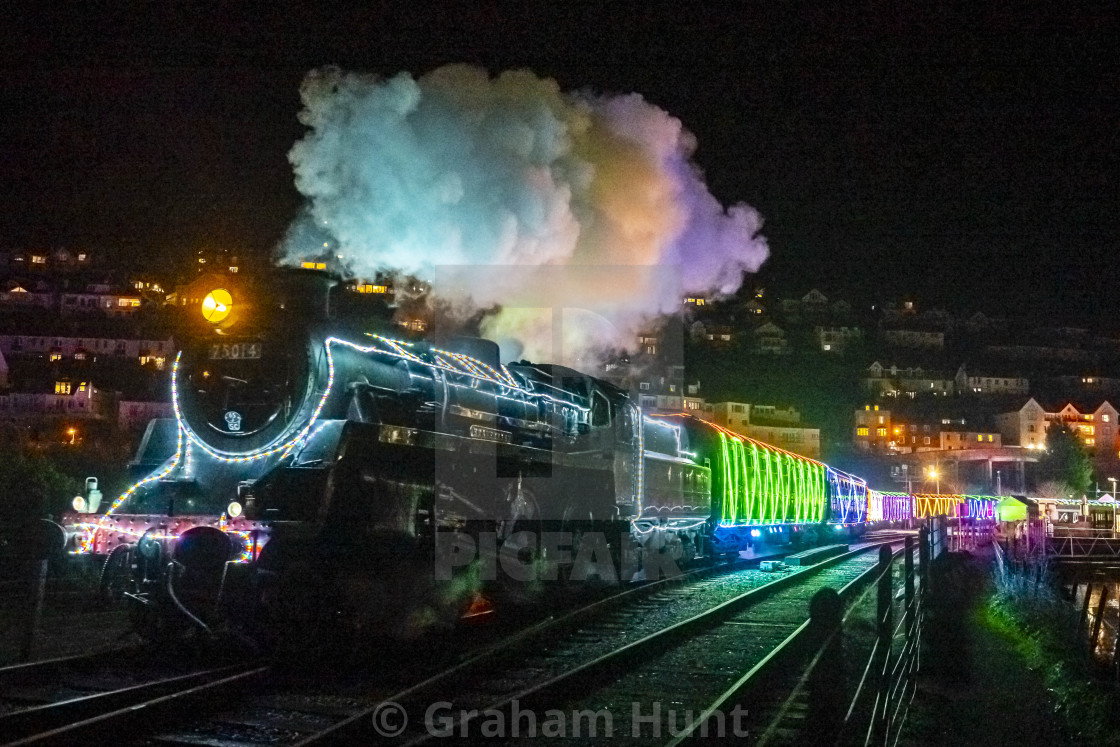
column 571, row 679
column 216, row 687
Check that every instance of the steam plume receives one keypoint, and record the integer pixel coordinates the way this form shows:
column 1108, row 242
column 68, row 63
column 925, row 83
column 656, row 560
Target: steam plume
column 464, row 179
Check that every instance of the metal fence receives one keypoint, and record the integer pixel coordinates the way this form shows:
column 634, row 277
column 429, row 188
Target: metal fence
column 873, row 710
column 888, row 683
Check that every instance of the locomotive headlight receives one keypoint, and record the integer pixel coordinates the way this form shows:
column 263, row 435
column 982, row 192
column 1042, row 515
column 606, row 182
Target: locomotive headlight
column 217, row 305
column 233, row 510
column 79, row 504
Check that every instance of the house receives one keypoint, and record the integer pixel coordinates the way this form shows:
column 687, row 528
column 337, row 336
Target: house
column 986, row 383
column 872, row 428
column 67, row 398
column 770, row 424
column 914, row 337
column 59, row 347
column 22, row 293
column 836, row 339
column 1094, row 425
column 909, row 381
column 770, row 338
column 953, row 439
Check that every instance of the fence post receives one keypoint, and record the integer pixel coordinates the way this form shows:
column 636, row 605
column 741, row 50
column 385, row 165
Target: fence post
column 43, row 538
column 923, row 556
column 826, row 682
column 911, row 610
column 37, row 581
column 1100, row 617
column 908, row 576
column 885, row 619
column 1116, row 658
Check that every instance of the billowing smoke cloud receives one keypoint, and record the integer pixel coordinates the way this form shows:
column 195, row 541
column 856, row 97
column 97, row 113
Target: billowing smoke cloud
column 456, row 170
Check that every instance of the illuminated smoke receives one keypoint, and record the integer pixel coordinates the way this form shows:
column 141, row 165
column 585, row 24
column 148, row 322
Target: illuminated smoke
column 456, row 170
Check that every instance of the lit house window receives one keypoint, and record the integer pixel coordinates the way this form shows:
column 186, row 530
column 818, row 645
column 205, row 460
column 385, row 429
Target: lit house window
column 313, row 265
column 38, row 259
column 1106, row 418
column 881, row 431
column 62, row 387
column 861, row 431
column 56, row 356
column 370, row 288
column 128, row 302
column 979, row 437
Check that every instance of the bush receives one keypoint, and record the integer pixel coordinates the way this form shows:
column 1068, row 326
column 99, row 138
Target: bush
column 31, row 486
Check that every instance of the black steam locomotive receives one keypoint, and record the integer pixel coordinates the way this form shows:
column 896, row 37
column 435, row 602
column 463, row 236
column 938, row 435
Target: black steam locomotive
column 316, row 458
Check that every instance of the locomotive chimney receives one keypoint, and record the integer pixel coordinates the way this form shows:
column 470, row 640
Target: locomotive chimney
column 307, row 293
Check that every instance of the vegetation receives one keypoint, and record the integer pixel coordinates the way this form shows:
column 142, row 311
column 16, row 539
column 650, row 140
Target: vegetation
column 40, row 478
column 1041, row 628
column 1065, row 461
column 823, row 388
column 30, row 484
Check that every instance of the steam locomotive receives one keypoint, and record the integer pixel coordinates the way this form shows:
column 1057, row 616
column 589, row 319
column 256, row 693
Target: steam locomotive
column 316, row 457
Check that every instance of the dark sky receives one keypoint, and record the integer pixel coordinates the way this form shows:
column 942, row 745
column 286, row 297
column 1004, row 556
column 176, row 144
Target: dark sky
column 965, row 154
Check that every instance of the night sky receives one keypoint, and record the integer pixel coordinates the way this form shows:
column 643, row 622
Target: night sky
column 965, row 154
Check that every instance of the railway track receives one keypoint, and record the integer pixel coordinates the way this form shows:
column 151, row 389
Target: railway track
column 253, row 703
column 71, row 694
column 609, row 655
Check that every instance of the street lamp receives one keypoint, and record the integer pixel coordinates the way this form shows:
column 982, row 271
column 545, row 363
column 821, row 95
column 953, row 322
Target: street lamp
column 1113, row 481
column 935, row 476
column 71, row 432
